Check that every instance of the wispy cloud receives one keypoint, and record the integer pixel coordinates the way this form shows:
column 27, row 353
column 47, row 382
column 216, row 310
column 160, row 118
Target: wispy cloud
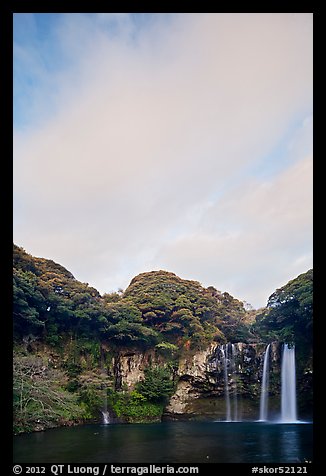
column 255, row 238
column 147, row 158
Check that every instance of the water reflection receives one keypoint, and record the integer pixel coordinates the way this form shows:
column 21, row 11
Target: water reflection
column 264, row 446
column 191, row 442
column 290, row 444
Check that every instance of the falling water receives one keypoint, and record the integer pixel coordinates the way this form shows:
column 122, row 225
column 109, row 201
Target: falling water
column 224, row 351
column 264, row 387
column 288, row 396
column 104, row 411
column 235, row 395
column 106, row 417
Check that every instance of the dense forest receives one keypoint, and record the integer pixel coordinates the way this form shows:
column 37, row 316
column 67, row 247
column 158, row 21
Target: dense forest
column 67, row 338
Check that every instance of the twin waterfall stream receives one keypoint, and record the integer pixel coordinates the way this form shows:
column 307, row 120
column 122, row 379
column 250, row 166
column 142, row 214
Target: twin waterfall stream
column 288, row 385
column 230, row 363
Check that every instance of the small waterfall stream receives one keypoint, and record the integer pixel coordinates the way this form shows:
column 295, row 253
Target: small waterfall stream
column 106, row 417
column 230, row 370
column 263, row 413
column 104, row 411
column 288, row 395
column 224, row 350
column 235, row 395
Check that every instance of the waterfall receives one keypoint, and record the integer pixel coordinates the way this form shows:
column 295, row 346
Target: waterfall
column 229, row 368
column 106, row 417
column 105, row 413
column 288, row 395
column 235, row 395
column 264, row 387
column 224, row 351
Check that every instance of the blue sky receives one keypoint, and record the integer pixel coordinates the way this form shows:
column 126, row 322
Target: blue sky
column 165, row 141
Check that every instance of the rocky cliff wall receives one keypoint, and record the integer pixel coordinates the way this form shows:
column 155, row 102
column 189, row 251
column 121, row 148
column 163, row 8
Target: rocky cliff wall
column 201, row 389
column 200, row 376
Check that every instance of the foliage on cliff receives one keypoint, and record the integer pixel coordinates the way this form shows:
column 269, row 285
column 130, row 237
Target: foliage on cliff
column 147, row 401
column 39, row 399
column 185, row 312
column 66, row 335
column 157, row 307
column 51, row 304
column 288, row 316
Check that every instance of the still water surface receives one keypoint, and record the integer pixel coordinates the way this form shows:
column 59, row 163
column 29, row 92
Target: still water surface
column 170, row 442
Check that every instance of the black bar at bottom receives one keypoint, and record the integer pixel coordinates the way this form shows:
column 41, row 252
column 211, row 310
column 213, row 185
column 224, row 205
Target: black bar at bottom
column 102, row 469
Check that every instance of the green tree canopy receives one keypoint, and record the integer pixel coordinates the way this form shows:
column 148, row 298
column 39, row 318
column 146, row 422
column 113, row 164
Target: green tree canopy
column 157, row 306
column 289, row 312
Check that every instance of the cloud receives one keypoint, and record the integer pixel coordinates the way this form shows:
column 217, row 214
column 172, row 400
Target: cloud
column 151, row 123
column 254, row 239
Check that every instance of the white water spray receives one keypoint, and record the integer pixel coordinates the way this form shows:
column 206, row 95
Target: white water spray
column 224, row 351
column 106, row 417
column 263, row 413
column 235, row 395
column 288, row 396
column 105, row 413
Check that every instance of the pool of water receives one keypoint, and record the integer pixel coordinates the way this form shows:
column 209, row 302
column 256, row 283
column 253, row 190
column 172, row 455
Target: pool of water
column 169, row 442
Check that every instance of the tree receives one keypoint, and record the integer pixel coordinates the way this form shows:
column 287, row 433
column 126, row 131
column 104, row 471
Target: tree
column 131, row 333
column 289, row 311
column 51, row 304
column 38, row 398
column 157, row 386
column 28, row 304
column 175, row 307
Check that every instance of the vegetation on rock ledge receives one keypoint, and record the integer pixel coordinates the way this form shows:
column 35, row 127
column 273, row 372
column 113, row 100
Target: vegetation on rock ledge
column 67, row 336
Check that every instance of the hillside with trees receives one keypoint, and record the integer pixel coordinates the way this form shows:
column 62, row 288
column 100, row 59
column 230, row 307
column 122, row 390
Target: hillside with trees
column 68, row 338
column 157, row 306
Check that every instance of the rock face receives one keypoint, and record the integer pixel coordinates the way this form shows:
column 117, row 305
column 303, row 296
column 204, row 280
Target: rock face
column 201, row 389
column 129, row 367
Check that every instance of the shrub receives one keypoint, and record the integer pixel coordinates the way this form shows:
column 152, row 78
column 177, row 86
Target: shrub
column 157, row 386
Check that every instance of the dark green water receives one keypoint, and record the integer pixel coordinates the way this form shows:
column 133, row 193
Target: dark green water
column 175, row 442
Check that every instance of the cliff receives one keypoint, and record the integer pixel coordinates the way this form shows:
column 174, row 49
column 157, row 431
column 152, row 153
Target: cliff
column 200, row 377
column 162, row 349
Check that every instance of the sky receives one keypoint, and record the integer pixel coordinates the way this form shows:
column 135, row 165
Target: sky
column 180, row 142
